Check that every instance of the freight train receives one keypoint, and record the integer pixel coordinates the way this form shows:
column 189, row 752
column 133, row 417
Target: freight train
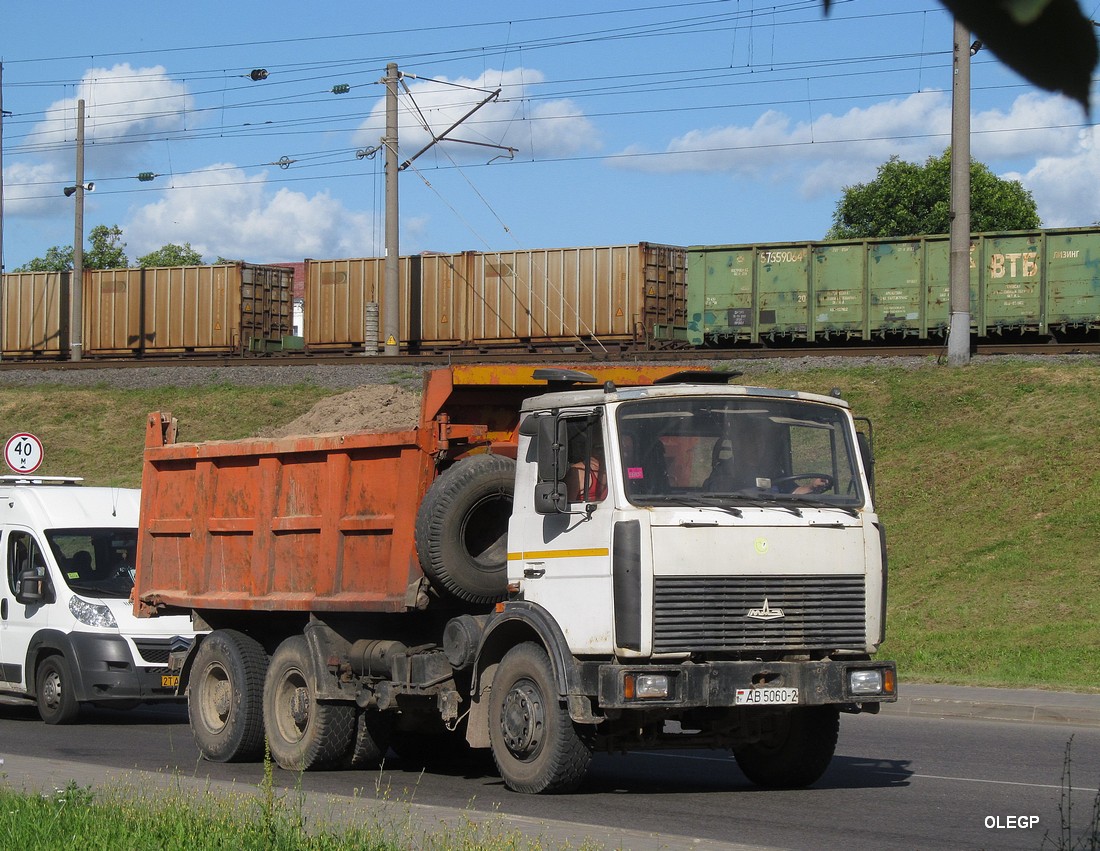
column 1030, row 285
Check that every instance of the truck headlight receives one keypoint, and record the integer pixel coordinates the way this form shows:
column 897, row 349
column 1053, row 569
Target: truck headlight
column 91, row 614
column 874, row 681
column 645, row 686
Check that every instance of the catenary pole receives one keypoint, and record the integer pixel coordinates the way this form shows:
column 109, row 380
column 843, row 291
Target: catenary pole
column 958, row 338
column 76, row 281
column 1, row 209
column 392, row 315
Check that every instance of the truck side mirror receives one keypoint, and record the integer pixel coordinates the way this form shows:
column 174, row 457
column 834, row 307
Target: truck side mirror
column 32, row 587
column 551, row 495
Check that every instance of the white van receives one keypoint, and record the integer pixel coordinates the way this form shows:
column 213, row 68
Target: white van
column 68, row 634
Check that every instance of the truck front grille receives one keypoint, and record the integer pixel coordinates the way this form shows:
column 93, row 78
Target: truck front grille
column 712, row 614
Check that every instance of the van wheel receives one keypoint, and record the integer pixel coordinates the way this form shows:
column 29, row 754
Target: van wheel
column 225, row 697
column 796, row 753
column 57, row 703
column 462, row 528
column 302, row 732
column 536, row 745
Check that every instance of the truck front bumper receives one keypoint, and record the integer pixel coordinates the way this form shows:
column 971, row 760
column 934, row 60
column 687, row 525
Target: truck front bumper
column 855, row 684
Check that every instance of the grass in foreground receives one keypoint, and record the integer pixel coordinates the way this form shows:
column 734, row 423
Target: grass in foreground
column 78, row 818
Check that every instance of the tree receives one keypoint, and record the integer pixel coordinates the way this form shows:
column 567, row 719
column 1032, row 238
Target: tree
column 105, row 251
column 907, row 199
column 171, row 254
column 107, row 248
column 59, row 258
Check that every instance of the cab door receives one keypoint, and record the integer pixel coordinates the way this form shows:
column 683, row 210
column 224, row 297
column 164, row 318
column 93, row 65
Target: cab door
column 564, row 558
column 22, row 615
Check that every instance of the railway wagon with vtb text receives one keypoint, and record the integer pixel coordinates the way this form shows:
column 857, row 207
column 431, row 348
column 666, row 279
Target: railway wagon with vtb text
column 1044, row 282
column 231, row 308
column 614, row 297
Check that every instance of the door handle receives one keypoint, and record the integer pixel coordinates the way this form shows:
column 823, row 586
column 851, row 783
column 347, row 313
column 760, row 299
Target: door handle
column 534, row 572
column 4, row 609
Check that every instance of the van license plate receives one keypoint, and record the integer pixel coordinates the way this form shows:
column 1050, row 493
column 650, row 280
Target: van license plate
column 766, row 696
column 169, row 681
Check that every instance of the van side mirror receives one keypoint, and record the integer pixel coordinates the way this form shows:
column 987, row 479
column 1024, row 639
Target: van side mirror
column 32, row 587
column 551, row 495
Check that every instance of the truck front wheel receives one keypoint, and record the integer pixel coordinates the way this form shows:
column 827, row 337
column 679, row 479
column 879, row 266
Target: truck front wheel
column 302, row 732
column 797, row 750
column 225, row 697
column 535, row 744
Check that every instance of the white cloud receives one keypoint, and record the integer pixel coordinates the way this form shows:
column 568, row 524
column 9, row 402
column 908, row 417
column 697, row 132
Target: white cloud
column 1064, row 187
column 833, row 151
column 223, row 211
column 535, row 128
column 1035, row 125
column 121, row 105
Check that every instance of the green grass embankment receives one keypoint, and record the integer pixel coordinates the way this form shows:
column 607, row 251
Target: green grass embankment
column 988, row 481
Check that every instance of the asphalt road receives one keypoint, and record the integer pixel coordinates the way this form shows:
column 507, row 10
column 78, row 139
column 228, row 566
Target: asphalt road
column 898, row 781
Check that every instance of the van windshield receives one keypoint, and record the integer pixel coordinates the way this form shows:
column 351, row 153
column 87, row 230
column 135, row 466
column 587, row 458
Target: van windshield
column 96, row 562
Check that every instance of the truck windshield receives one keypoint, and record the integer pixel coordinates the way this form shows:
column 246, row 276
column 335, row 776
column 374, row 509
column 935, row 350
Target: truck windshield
column 97, row 562
column 737, row 450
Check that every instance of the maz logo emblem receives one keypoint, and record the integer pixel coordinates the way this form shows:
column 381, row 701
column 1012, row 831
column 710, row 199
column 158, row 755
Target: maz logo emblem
column 767, row 613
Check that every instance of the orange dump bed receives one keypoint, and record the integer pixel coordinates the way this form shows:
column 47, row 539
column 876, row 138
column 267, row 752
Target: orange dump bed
column 320, row 522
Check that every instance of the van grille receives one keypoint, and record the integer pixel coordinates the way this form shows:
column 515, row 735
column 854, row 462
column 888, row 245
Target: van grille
column 710, row 614
column 154, row 651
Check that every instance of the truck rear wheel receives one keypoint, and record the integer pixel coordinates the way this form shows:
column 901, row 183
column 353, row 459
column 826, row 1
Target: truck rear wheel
column 797, row 753
column 462, row 528
column 225, row 697
column 371, row 739
column 535, row 744
column 53, row 688
column 302, row 732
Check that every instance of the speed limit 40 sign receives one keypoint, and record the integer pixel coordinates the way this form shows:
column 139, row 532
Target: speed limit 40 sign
column 23, row 453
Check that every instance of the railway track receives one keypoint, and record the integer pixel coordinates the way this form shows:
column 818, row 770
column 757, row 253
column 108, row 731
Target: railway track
column 546, row 356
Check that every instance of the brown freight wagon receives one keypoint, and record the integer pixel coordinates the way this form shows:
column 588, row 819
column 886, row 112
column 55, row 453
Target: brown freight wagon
column 233, row 308
column 602, row 297
column 34, row 315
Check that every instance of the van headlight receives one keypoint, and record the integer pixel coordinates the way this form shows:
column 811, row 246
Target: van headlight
column 92, row 614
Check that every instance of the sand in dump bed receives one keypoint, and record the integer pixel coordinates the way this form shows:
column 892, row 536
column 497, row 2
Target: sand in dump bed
column 369, row 408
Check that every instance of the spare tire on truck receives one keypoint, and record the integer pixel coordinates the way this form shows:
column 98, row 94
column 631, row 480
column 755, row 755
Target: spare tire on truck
column 462, row 528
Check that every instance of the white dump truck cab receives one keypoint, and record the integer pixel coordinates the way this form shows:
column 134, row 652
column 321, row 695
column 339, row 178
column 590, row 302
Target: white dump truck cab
column 702, row 565
column 68, row 634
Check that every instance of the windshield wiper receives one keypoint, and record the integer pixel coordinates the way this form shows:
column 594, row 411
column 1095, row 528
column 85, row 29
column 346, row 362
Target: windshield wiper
column 718, row 502
column 761, row 501
column 847, row 509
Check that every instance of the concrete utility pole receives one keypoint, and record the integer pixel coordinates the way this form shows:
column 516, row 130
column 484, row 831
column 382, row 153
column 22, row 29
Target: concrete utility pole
column 76, row 282
column 958, row 339
column 1, row 206
column 391, row 321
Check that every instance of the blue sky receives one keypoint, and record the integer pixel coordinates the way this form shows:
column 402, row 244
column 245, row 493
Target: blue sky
column 719, row 121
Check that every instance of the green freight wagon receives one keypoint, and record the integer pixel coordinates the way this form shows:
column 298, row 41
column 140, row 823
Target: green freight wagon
column 1031, row 283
